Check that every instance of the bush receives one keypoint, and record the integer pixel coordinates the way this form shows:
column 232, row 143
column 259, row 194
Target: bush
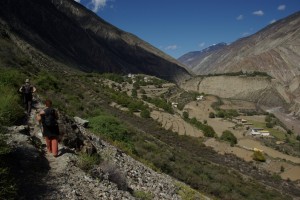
column 143, row 195
column 269, row 125
column 109, row 126
column 46, row 82
column 259, row 156
column 114, row 77
column 229, row 137
column 221, row 114
column 211, row 115
column 87, row 162
column 185, row 115
column 10, row 109
column 145, row 113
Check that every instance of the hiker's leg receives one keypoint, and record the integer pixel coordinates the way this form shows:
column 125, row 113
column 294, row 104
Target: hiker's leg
column 26, row 105
column 54, row 145
column 48, row 144
column 29, row 107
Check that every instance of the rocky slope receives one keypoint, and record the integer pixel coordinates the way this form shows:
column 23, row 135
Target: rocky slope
column 69, row 33
column 117, row 177
column 273, row 50
column 263, row 90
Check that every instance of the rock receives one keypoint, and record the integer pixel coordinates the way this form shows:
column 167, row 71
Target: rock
column 88, row 147
column 23, row 129
column 81, row 122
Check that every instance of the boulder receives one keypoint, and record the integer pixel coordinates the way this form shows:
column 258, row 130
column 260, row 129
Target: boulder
column 81, row 122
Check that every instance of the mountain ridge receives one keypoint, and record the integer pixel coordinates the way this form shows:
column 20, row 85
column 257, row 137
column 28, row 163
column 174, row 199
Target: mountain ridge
column 86, row 42
column 274, row 50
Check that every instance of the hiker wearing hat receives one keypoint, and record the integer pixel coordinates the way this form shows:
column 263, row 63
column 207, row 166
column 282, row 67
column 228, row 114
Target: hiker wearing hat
column 27, row 89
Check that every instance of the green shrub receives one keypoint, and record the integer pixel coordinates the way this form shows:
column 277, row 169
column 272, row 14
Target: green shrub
column 114, row 77
column 47, row 81
column 259, row 156
column 208, row 131
column 10, row 109
column 110, row 127
column 11, row 78
column 87, row 162
column 134, row 93
column 229, row 137
column 143, row 195
column 145, row 113
column 269, row 125
column 211, row 115
column 185, row 115
column 221, row 113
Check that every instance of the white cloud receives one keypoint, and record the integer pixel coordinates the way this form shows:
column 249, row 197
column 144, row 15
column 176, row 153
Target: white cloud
column 77, row 1
column 240, row 17
column 281, row 7
column 171, row 47
column 272, row 21
column 97, row 4
column 245, row 34
column 258, row 13
column 201, row 44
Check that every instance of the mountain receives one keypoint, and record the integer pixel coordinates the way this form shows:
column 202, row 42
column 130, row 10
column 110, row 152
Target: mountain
column 71, row 34
column 273, row 51
column 193, row 58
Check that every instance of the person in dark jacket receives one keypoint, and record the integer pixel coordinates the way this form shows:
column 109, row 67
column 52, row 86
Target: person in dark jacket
column 27, row 90
column 49, row 117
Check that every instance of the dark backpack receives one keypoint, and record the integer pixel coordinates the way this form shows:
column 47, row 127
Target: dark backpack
column 27, row 89
column 49, row 118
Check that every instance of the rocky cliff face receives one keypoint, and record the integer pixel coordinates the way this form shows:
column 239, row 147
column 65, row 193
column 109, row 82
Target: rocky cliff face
column 263, row 90
column 73, row 35
column 273, row 50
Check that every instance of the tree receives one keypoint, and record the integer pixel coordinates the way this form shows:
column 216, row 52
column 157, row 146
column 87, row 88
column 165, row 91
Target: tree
column 211, row 115
column 185, row 115
column 229, row 137
column 145, row 113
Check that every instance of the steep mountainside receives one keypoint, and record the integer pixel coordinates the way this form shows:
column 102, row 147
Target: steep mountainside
column 195, row 57
column 274, row 50
column 68, row 32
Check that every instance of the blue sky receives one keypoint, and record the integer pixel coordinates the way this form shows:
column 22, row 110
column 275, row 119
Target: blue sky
column 180, row 26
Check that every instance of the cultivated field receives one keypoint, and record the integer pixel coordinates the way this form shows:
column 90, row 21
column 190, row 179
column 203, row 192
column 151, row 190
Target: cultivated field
column 287, row 166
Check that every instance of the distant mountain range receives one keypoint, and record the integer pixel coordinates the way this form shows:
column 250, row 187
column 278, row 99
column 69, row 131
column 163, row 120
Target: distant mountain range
column 195, row 57
column 275, row 51
column 71, row 34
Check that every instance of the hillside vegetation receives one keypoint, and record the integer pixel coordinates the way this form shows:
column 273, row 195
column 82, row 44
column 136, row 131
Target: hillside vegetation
column 90, row 95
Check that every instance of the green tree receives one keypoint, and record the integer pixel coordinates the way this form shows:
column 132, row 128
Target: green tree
column 229, row 137
column 145, row 113
column 211, row 115
column 185, row 115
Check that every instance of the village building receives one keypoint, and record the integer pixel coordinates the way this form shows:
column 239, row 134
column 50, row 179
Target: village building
column 259, row 132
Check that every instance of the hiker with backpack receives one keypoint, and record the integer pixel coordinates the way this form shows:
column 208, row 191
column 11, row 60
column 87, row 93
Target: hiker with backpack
column 49, row 117
column 27, row 90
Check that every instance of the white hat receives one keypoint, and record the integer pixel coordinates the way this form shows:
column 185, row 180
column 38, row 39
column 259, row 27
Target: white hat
column 27, row 80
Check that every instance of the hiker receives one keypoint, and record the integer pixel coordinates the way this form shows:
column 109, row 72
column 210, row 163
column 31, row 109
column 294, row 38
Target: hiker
column 27, row 89
column 49, row 117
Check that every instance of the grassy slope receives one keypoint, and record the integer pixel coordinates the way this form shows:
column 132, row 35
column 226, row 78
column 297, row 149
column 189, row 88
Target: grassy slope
column 183, row 157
